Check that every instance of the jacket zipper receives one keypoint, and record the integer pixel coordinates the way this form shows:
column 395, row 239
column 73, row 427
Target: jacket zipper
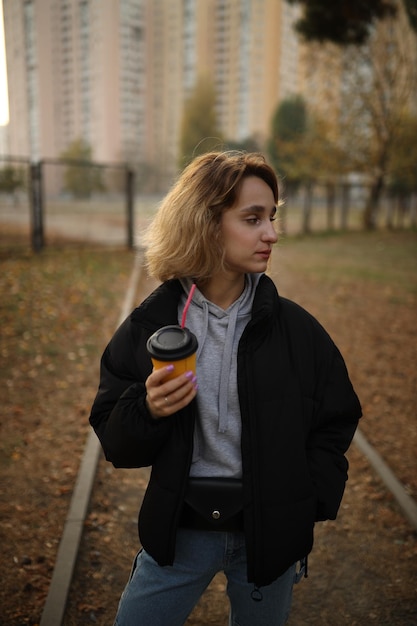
column 253, row 448
column 183, row 486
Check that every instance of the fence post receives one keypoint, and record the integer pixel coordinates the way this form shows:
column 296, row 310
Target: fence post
column 37, row 235
column 130, row 179
column 345, row 206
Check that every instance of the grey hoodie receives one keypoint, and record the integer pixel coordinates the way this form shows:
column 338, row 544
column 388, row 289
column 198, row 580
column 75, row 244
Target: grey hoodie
column 218, row 428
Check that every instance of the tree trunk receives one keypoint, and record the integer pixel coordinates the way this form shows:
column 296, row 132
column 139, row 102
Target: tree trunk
column 308, row 201
column 404, row 206
column 372, row 205
column 391, row 212
column 331, row 198
column 413, row 210
column 345, row 206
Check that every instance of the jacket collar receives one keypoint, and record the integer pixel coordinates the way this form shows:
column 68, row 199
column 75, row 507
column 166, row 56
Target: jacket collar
column 161, row 307
column 266, row 302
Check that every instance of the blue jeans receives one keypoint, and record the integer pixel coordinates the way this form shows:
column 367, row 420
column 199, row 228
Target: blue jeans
column 165, row 596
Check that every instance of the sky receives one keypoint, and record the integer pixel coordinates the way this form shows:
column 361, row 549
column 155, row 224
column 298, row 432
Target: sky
column 4, row 103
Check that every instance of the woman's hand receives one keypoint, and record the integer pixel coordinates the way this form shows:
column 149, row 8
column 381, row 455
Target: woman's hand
column 165, row 398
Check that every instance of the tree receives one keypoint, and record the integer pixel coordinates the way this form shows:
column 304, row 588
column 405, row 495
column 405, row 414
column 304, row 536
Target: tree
column 346, row 22
column 304, row 150
column 380, row 80
column 302, row 146
column 11, row 179
column 288, row 150
column 288, row 129
column 199, row 130
column 290, row 120
column 81, row 176
column 402, row 166
column 402, row 169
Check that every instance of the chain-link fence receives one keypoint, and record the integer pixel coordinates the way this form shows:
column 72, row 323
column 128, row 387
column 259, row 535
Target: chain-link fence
column 318, row 207
column 57, row 200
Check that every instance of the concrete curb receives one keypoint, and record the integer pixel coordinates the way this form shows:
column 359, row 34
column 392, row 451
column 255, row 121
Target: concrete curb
column 406, row 502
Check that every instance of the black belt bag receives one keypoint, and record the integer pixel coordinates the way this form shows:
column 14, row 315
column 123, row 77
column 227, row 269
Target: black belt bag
column 213, row 504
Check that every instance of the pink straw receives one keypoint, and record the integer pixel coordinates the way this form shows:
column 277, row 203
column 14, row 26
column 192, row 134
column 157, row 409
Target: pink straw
column 187, row 304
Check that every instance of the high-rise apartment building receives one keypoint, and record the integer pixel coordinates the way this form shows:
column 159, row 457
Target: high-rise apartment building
column 76, row 70
column 247, row 49
column 116, row 73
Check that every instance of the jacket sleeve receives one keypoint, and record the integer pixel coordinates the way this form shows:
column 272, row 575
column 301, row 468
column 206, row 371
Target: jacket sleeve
column 335, row 422
column 130, row 437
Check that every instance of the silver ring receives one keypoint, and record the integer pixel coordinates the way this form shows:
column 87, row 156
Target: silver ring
column 166, row 400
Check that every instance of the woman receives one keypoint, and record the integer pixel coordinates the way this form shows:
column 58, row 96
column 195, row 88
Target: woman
column 248, row 454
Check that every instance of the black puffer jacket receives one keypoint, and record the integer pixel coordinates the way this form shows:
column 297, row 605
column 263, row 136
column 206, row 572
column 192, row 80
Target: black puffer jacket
column 299, row 413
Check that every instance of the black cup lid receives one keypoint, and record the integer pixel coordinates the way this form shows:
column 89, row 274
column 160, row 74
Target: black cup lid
column 171, row 342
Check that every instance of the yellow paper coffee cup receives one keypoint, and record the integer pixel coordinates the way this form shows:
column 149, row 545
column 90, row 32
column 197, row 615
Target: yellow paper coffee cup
column 173, row 345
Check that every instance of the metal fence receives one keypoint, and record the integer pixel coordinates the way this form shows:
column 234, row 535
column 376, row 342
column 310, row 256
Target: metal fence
column 320, row 207
column 66, row 199
column 57, row 200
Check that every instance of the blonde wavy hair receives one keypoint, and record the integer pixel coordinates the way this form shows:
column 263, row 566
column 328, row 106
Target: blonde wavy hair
column 184, row 238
